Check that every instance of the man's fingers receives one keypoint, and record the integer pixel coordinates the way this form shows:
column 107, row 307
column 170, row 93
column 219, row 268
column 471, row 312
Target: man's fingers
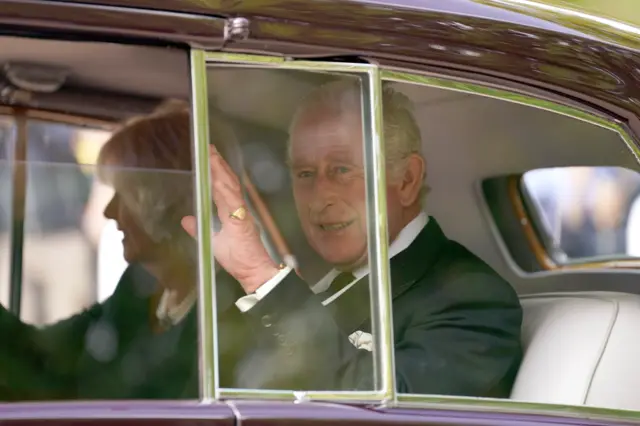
column 189, row 224
column 221, row 171
column 234, row 181
column 228, row 200
column 222, row 199
column 226, row 191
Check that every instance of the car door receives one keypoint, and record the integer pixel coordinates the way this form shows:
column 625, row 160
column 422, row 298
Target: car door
column 61, row 341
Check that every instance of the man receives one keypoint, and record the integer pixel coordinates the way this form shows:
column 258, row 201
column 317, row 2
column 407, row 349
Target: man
column 456, row 322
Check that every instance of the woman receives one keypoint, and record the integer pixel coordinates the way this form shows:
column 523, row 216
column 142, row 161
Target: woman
column 142, row 341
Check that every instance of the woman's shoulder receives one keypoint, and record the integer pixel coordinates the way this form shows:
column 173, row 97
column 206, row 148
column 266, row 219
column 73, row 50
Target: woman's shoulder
column 132, row 295
column 128, row 303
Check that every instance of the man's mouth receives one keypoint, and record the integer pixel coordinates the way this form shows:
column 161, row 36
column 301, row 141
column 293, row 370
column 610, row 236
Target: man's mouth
column 332, row 227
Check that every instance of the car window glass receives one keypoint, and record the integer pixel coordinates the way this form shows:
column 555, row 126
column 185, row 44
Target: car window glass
column 460, row 328
column 456, row 320
column 585, row 213
column 7, row 139
column 105, row 272
column 298, row 153
column 102, row 232
column 63, row 214
column 75, row 200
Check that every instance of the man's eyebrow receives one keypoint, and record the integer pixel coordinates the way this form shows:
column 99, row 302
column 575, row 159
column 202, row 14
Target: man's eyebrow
column 297, row 164
column 343, row 156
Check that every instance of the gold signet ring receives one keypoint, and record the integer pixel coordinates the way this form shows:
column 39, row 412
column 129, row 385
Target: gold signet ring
column 240, row 213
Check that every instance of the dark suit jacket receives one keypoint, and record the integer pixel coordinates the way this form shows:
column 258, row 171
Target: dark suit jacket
column 456, row 331
column 110, row 352
column 106, row 352
column 456, row 327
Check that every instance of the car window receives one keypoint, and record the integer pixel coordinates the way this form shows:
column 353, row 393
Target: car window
column 59, row 218
column 101, row 274
column 457, row 320
column 7, row 138
column 80, row 201
column 464, row 322
column 102, row 232
column 298, row 156
column 585, row 213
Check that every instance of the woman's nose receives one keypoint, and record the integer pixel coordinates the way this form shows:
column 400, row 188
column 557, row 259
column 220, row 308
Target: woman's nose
column 111, row 210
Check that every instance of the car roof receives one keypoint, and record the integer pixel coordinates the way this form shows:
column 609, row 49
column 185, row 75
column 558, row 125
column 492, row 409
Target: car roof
column 603, row 18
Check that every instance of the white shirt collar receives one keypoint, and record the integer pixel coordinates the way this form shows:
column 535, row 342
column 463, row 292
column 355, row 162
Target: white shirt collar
column 171, row 313
column 404, row 239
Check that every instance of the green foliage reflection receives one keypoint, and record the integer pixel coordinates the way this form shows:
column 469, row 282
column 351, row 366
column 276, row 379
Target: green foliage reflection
column 620, row 10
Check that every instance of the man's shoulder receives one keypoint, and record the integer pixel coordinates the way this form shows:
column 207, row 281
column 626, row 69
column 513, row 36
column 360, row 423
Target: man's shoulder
column 457, row 260
column 460, row 274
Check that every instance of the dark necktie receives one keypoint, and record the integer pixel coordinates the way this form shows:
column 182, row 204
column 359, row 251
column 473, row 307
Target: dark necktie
column 339, row 282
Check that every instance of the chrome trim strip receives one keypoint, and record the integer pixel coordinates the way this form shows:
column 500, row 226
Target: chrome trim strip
column 374, row 160
column 207, row 316
column 354, row 397
column 375, row 178
column 508, row 406
column 257, row 61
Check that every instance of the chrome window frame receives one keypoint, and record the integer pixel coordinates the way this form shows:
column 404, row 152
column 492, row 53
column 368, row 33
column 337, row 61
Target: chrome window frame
column 207, row 313
column 374, row 161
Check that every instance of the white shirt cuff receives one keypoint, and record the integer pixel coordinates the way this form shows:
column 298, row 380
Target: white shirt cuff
column 249, row 301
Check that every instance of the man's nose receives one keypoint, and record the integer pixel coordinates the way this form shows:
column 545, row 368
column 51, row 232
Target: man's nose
column 324, row 191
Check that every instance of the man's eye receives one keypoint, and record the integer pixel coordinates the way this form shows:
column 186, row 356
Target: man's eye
column 304, row 174
column 342, row 169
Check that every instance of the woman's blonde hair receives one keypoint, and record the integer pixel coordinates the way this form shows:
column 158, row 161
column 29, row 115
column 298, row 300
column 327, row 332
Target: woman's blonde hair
column 149, row 163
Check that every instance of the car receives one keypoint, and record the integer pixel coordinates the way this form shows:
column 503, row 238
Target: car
column 529, row 119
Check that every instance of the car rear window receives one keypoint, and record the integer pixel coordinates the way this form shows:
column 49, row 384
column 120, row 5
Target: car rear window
column 585, row 213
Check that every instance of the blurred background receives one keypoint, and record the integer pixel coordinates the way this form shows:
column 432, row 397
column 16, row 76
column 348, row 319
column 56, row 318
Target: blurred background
column 72, row 255
column 585, row 213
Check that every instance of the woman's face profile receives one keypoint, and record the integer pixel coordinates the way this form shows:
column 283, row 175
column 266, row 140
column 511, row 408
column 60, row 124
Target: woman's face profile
column 137, row 244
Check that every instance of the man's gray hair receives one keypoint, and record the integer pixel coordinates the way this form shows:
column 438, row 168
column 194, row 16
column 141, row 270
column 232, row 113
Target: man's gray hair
column 401, row 131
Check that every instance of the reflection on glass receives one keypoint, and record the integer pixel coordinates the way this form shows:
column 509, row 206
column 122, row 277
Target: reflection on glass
column 586, row 212
column 139, row 342
column 306, row 324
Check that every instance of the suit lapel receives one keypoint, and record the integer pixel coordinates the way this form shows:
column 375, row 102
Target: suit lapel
column 353, row 308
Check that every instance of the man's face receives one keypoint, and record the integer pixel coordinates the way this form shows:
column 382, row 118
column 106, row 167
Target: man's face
column 329, row 185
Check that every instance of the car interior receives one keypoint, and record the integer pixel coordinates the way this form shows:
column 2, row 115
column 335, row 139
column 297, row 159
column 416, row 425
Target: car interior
column 579, row 322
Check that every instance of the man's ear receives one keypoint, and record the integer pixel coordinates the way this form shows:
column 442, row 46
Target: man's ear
column 412, row 180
